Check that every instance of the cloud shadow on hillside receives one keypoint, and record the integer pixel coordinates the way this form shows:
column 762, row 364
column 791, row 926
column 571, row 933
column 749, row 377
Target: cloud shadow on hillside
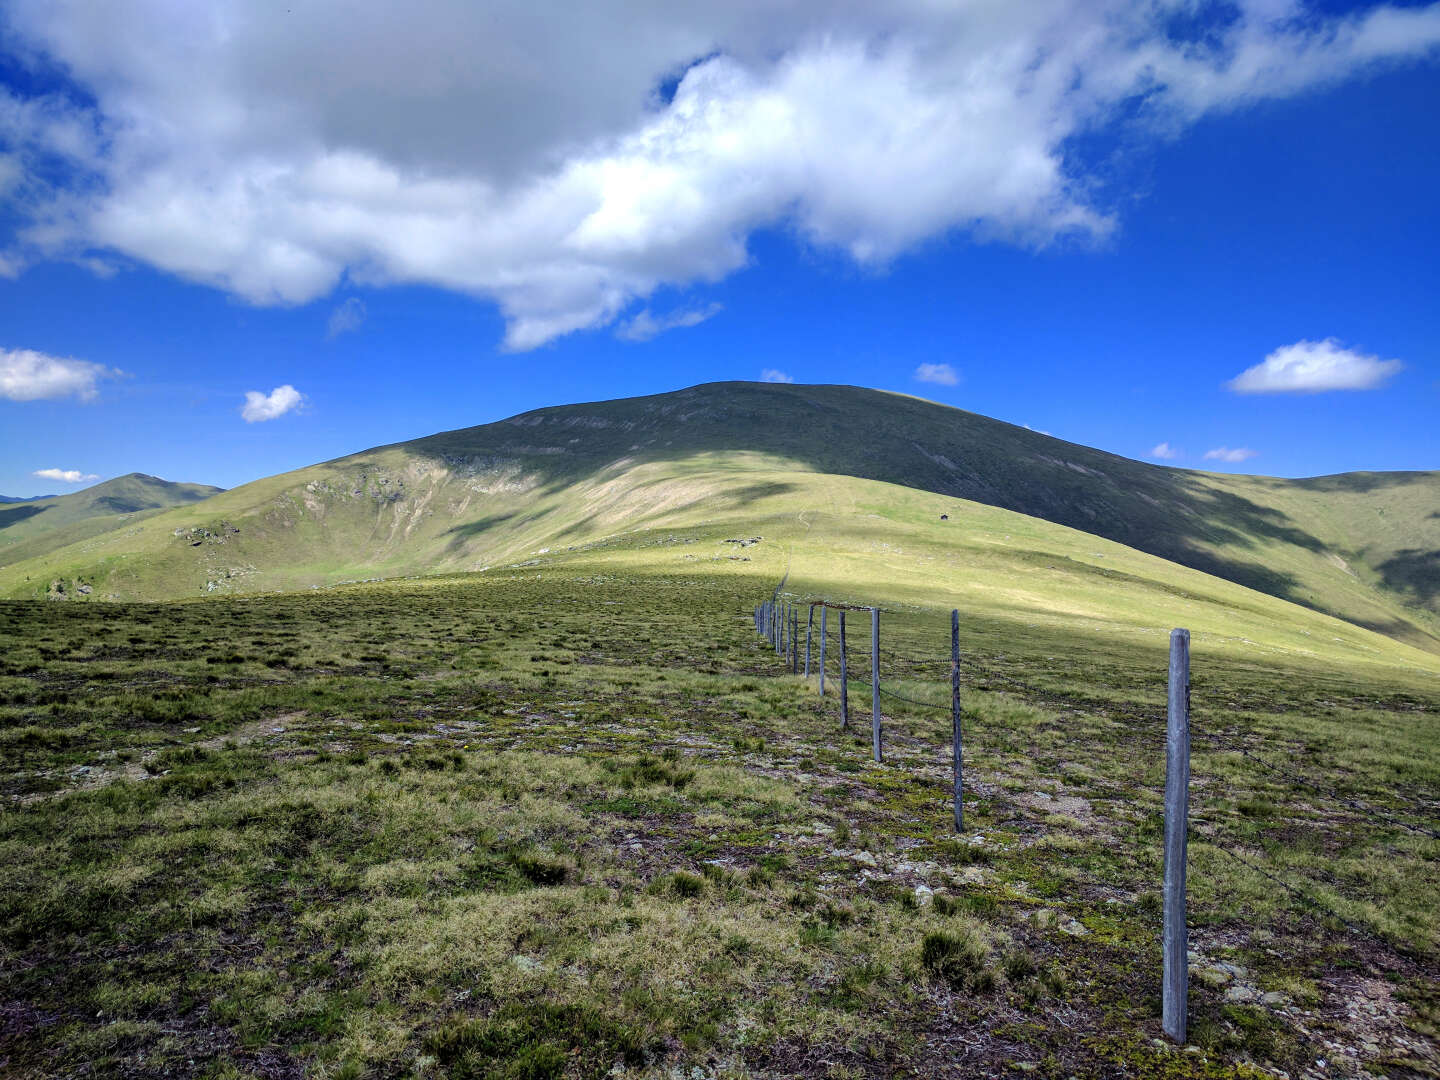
column 13, row 515
column 1415, row 572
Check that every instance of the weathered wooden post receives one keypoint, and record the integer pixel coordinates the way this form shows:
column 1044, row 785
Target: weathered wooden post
column 875, row 682
column 809, row 633
column 795, row 640
column 1174, row 1016
column 822, row 649
column 957, row 751
column 844, row 681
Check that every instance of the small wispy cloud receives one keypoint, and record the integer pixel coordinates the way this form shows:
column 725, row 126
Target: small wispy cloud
column 27, row 375
column 941, row 374
column 1225, row 453
column 1164, row 451
column 277, row 403
column 646, row 325
column 1311, row 367
column 772, row 375
column 68, row 476
column 346, row 317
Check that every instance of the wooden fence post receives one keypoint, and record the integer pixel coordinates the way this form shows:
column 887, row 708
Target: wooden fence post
column 1177, row 813
column 795, row 640
column 809, row 633
column 823, row 609
column 875, row 682
column 957, row 745
column 844, row 681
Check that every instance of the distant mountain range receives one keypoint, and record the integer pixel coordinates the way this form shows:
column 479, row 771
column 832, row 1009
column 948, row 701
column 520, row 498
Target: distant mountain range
column 1364, row 547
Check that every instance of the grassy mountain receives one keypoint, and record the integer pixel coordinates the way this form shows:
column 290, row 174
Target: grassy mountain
column 32, row 528
column 738, row 457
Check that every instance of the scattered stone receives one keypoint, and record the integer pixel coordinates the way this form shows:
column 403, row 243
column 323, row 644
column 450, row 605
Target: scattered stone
column 924, row 895
column 1074, row 928
column 1240, row 994
column 1274, row 998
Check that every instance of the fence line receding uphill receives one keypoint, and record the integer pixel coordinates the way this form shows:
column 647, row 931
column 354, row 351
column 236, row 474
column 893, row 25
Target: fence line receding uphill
column 778, row 620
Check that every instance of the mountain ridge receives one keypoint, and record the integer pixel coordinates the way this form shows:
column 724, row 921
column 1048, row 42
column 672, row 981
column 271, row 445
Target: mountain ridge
column 1360, row 546
column 32, row 528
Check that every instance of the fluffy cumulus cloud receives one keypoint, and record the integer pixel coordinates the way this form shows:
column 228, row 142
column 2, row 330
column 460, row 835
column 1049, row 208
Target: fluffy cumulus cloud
column 346, row 317
column 1233, row 456
column 68, row 476
column 565, row 162
column 1164, row 451
column 1309, row 367
column 941, row 374
column 278, row 402
column 645, row 325
column 27, row 375
column 770, row 374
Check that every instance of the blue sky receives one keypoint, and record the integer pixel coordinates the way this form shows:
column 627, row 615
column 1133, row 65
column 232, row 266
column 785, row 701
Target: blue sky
column 1161, row 234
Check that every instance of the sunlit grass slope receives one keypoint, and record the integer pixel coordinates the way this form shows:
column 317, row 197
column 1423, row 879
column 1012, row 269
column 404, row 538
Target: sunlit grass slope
column 1359, row 546
column 35, row 527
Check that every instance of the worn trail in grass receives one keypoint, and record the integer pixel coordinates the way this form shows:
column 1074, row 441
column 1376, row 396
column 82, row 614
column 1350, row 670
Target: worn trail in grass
column 575, row 820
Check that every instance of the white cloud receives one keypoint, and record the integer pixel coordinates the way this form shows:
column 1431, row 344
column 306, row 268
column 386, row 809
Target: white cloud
column 1309, row 367
column 346, row 317
column 645, row 326
column 278, row 402
column 1225, row 453
column 27, row 375
column 524, row 155
column 69, row 476
column 943, row 374
column 771, row 375
column 1165, row 452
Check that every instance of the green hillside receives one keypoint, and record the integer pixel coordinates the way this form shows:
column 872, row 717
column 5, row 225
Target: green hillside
column 32, row 528
column 733, row 455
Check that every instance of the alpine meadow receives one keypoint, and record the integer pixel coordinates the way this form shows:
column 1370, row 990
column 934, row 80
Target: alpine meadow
column 800, row 540
column 463, row 757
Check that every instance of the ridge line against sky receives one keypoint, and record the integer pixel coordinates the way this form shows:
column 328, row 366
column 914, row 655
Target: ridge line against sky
column 275, row 231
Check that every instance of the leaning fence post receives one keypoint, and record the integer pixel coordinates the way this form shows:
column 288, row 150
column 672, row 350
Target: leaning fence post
column 822, row 649
column 809, row 633
column 844, row 680
column 875, row 681
column 957, row 748
column 1177, row 812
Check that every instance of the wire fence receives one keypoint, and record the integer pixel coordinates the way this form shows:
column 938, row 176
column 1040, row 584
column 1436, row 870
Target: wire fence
column 811, row 648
